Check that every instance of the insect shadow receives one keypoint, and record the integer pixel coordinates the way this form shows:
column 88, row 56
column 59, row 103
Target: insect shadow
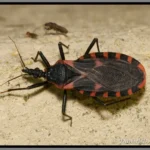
column 90, row 103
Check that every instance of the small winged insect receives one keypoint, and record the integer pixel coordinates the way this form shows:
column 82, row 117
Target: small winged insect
column 31, row 35
column 99, row 74
column 56, row 27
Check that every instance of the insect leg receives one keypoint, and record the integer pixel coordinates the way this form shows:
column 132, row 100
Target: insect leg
column 39, row 53
column 65, row 92
column 64, row 108
column 108, row 103
column 28, row 87
column 60, row 44
column 95, row 41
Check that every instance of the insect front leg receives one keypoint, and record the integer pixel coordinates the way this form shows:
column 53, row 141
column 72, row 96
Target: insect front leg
column 64, row 108
column 95, row 41
column 60, row 44
column 45, row 61
column 28, row 87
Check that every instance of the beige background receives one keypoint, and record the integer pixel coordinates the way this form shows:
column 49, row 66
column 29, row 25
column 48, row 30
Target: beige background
column 34, row 117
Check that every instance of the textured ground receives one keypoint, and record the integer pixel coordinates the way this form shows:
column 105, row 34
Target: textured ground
column 34, row 117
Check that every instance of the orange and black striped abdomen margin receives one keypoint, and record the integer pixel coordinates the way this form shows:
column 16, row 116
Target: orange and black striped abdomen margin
column 104, row 58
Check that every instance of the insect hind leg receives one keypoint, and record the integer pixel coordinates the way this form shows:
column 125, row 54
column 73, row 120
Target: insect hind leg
column 108, row 103
column 95, row 41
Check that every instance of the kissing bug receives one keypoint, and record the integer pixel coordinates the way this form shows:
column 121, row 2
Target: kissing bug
column 56, row 27
column 98, row 74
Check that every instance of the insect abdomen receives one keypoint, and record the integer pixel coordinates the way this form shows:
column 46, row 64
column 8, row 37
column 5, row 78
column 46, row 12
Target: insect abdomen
column 108, row 74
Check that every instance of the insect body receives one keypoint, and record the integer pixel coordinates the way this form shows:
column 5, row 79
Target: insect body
column 56, row 27
column 100, row 74
column 31, row 35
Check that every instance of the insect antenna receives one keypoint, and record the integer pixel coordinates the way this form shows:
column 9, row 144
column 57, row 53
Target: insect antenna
column 12, row 79
column 22, row 62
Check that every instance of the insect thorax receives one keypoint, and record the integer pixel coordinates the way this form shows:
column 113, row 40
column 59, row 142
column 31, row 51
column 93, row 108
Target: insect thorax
column 60, row 74
column 57, row 74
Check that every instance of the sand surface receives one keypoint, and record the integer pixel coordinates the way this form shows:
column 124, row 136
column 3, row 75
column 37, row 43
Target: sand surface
column 34, row 117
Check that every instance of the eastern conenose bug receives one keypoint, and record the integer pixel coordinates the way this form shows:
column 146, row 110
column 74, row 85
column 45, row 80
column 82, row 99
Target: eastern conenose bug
column 100, row 74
